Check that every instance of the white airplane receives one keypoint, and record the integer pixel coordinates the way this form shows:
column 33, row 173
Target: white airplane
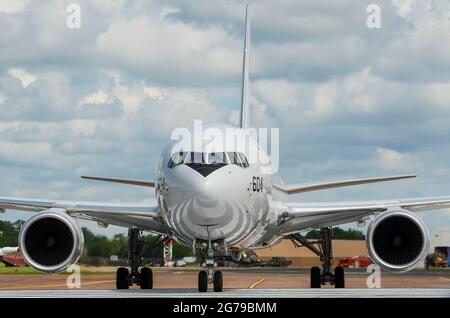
column 219, row 202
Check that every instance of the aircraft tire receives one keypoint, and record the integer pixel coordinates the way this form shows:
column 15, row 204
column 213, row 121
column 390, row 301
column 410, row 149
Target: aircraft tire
column 202, row 282
column 218, row 281
column 122, row 278
column 315, row 277
column 146, row 279
column 339, row 277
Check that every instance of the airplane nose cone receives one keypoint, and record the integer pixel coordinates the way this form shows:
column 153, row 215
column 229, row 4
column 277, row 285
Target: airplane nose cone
column 210, row 202
column 210, row 210
column 214, row 207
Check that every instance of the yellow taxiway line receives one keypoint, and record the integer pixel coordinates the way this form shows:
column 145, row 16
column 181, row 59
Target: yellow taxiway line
column 58, row 285
column 257, row 282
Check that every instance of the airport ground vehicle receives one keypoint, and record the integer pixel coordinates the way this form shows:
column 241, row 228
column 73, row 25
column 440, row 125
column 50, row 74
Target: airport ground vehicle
column 355, row 262
column 439, row 258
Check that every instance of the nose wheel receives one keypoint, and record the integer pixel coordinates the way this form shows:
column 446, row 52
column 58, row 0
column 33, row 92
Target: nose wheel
column 206, row 251
column 218, row 281
column 203, row 281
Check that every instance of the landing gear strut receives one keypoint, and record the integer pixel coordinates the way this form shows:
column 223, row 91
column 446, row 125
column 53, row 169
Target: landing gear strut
column 206, row 252
column 136, row 250
column 318, row 277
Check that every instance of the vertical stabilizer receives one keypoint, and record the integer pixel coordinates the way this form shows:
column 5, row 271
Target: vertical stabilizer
column 244, row 120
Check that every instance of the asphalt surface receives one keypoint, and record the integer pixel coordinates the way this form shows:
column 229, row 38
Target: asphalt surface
column 247, row 282
column 232, row 293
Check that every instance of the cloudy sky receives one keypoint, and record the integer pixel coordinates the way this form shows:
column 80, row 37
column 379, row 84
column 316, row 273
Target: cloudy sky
column 102, row 100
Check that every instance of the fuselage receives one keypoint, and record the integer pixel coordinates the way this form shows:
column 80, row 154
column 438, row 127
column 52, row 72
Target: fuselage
column 215, row 192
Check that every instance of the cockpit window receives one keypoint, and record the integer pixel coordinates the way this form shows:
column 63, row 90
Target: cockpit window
column 217, row 159
column 238, row 158
column 177, row 159
column 243, row 160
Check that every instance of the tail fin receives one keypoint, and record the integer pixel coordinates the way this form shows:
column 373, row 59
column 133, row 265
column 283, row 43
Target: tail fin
column 244, row 120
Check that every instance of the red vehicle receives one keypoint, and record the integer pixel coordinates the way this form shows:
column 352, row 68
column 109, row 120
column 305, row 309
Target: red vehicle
column 355, row 262
column 13, row 261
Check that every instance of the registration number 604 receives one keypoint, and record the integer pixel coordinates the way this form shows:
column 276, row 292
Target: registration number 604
column 257, row 184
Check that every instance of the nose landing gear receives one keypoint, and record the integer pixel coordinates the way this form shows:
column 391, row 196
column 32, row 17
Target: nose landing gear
column 210, row 276
column 319, row 278
column 207, row 252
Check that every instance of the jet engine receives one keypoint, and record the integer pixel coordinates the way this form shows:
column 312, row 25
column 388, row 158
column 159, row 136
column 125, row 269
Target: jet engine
column 51, row 241
column 397, row 240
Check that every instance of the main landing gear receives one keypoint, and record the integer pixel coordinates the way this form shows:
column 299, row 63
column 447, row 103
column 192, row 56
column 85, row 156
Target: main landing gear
column 206, row 252
column 318, row 277
column 136, row 250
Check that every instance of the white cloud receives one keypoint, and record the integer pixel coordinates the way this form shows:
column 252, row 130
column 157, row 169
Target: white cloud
column 13, row 6
column 358, row 88
column 403, row 7
column 99, row 97
column 439, row 94
column 131, row 96
column 32, row 154
column 84, row 127
column 153, row 92
column 324, row 101
column 170, row 50
column 421, row 53
column 390, row 159
column 23, row 76
column 3, row 98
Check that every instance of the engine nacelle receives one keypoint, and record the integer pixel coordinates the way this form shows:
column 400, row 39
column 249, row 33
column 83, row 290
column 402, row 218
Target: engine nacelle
column 51, row 241
column 8, row 251
column 397, row 240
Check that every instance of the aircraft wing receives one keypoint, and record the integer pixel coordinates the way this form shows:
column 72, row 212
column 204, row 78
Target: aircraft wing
column 300, row 188
column 145, row 217
column 302, row 216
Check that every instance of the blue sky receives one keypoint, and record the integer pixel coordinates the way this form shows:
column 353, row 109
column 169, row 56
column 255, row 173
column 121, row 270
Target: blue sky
column 350, row 101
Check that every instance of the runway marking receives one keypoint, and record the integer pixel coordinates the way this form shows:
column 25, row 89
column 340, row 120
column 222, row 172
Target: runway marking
column 257, row 282
column 58, row 285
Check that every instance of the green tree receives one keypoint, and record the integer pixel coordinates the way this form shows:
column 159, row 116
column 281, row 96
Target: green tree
column 339, row 234
column 10, row 232
column 120, row 243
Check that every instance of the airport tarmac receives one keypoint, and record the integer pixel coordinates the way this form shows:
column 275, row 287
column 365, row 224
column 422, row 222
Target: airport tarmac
column 233, row 293
column 250, row 282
